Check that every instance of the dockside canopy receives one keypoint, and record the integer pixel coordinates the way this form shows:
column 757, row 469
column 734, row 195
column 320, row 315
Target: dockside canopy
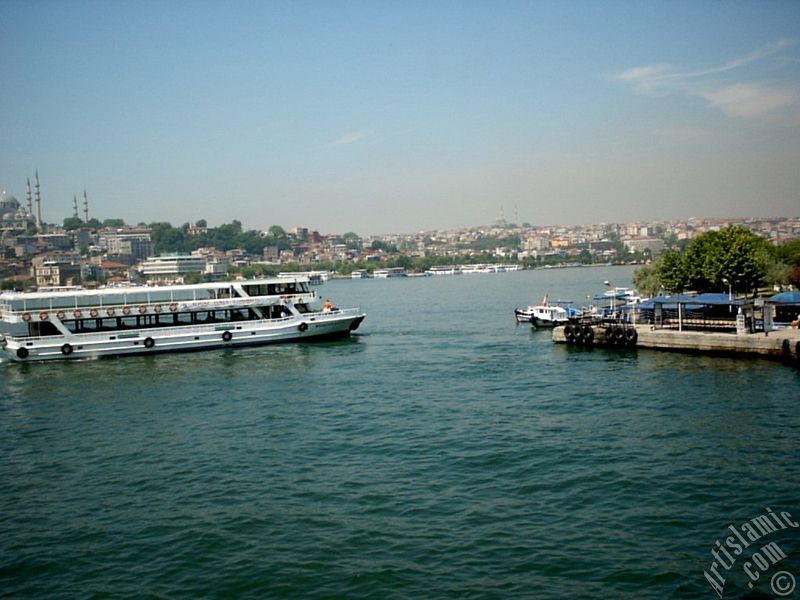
column 785, row 298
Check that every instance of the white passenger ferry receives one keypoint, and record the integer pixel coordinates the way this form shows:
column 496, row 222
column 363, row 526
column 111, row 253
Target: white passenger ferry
column 141, row 320
column 390, row 272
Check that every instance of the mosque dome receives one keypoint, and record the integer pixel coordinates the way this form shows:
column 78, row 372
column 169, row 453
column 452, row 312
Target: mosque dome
column 8, row 204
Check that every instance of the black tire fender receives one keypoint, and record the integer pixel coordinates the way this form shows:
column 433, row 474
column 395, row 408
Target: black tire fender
column 149, row 342
column 227, row 336
column 303, row 326
column 22, row 353
column 66, row 349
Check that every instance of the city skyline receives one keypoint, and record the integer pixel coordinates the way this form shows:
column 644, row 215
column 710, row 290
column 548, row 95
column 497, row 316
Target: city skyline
column 381, row 118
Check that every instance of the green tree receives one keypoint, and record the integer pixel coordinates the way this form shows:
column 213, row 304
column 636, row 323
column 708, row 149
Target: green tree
column 714, row 261
column 113, row 223
column 647, row 278
column 734, row 256
column 194, row 277
column 72, row 223
column 672, row 272
column 352, row 240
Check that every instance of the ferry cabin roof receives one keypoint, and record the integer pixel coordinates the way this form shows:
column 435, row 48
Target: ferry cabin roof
column 32, row 301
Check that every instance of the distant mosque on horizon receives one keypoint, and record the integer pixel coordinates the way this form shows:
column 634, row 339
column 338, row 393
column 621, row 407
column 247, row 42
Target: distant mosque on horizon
column 16, row 217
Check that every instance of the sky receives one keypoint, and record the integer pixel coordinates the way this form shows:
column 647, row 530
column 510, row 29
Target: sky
column 384, row 116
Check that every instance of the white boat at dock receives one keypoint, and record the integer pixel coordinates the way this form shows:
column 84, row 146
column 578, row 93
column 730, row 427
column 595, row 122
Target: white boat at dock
column 547, row 314
column 444, row 270
column 391, row 272
column 314, row 277
column 72, row 324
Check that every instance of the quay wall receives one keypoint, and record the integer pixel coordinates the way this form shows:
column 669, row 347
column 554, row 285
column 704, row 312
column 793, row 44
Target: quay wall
column 780, row 344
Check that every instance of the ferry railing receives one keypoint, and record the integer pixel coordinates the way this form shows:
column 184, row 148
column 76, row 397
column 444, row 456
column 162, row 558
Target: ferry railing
column 117, row 309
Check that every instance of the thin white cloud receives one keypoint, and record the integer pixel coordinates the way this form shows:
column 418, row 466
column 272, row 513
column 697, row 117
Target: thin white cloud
column 717, row 84
column 350, row 138
column 750, row 101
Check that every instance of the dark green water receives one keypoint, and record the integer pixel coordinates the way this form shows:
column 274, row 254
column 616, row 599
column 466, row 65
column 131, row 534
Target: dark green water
column 442, row 453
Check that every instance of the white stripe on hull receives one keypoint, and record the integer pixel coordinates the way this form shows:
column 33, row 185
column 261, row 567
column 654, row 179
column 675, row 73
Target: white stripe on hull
column 173, row 339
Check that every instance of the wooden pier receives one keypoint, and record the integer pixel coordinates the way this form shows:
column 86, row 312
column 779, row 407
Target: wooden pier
column 781, row 344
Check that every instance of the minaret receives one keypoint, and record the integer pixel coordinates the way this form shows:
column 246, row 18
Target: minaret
column 30, row 198
column 38, row 202
column 75, row 206
column 516, row 215
column 85, row 207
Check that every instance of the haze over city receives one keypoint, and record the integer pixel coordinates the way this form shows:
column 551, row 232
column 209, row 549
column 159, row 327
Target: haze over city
column 379, row 117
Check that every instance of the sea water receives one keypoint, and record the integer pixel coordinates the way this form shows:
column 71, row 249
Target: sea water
column 441, row 452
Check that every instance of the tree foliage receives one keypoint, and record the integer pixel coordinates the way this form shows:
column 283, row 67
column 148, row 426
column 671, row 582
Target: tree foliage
column 646, row 278
column 732, row 257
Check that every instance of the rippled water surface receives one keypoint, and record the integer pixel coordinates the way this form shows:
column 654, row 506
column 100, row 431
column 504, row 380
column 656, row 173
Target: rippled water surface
column 442, row 452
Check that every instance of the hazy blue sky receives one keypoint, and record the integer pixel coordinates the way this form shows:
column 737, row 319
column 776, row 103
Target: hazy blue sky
column 400, row 116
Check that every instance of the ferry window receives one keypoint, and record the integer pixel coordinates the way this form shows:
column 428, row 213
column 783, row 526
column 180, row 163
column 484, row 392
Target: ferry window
column 127, row 322
column 136, row 298
column 256, row 290
column 66, row 303
column 42, row 328
column 272, row 289
column 224, row 293
column 182, row 295
column 88, row 325
column 303, row 287
column 146, row 321
column 183, row 318
column 302, row 308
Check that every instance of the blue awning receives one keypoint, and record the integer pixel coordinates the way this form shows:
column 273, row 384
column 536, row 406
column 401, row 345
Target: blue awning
column 785, row 298
column 698, row 300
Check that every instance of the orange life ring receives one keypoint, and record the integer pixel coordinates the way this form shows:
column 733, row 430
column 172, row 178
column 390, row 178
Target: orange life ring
column 126, row 310
column 173, row 307
column 77, row 313
column 26, row 317
column 43, row 316
column 157, row 308
column 142, row 309
column 93, row 312
column 110, row 312
column 60, row 315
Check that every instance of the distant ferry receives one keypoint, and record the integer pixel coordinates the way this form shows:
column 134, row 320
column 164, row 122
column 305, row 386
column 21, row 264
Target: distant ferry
column 393, row 272
column 359, row 274
column 72, row 324
column 314, row 277
column 489, row 268
column 444, row 270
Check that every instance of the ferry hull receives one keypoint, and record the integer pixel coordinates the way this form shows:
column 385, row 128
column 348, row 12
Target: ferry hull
column 180, row 339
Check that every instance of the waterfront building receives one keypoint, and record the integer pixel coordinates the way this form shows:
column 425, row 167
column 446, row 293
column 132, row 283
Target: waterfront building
column 171, row 267
column 131, row 241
